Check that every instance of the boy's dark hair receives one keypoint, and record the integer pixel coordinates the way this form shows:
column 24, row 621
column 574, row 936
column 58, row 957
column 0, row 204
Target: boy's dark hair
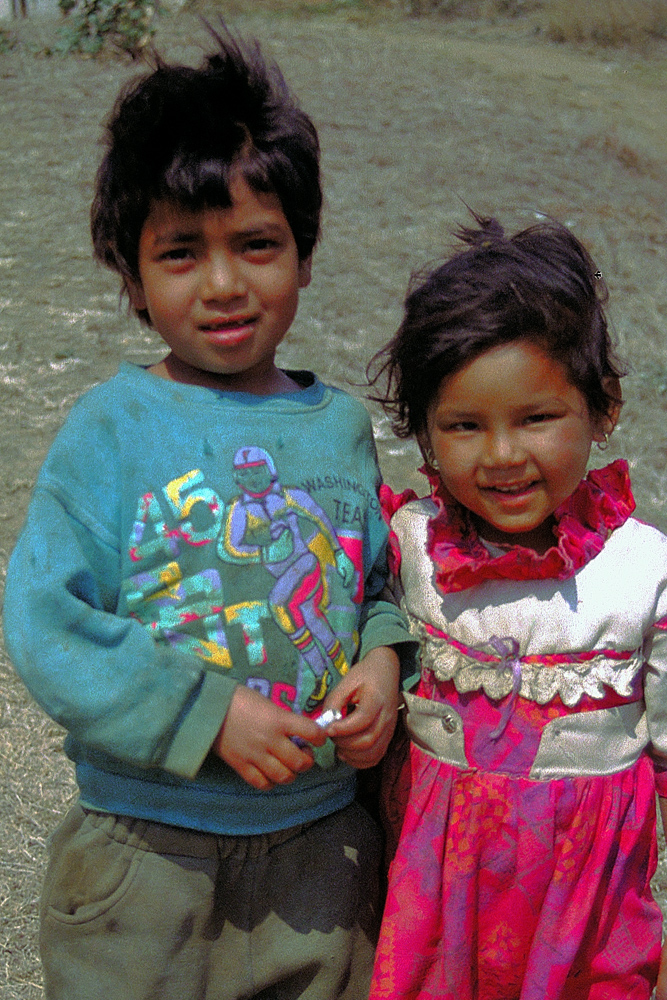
column 540, row 285
column 181, row 134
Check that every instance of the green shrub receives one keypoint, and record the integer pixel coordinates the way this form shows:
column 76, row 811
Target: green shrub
column 91, row 25
column 7, row 40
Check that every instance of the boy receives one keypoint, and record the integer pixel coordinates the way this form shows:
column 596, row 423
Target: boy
column 198, row 579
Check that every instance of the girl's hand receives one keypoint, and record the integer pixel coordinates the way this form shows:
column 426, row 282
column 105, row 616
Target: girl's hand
column 661, row 987
column 256, row 740
column 370, row 693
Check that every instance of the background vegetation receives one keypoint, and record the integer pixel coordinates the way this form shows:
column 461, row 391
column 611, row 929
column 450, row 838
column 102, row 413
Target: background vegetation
column 127, row 26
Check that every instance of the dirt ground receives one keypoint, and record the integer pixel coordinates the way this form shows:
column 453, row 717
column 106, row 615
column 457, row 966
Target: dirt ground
column 417, row 120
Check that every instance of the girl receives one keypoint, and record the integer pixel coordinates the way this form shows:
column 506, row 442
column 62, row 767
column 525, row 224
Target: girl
column 538, row 728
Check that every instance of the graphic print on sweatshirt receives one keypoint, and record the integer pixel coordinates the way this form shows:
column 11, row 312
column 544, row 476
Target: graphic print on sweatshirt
column 262, row 584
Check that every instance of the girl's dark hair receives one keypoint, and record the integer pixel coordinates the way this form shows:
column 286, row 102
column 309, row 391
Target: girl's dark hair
column 540, row 285
column 182, row 134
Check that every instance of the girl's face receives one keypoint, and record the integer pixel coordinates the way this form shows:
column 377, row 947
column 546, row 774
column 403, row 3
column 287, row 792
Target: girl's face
column 511, row 438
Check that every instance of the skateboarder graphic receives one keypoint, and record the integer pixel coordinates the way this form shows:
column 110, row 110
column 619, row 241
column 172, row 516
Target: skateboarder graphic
column 290, row 534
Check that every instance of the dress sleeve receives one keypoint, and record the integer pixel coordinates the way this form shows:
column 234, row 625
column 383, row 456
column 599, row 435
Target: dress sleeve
column 101, row 676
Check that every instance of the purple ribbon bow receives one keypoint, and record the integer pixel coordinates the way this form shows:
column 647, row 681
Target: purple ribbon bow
column 508, row 649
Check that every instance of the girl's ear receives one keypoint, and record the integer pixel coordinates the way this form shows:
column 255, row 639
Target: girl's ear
column 607, row 423
column 427, row 452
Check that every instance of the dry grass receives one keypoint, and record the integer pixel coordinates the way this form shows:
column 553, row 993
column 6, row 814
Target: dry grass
column 611, row 23
column 633, row 24
column 534, row 126
column 37, row 786
column 473, row 9
column 630, row 24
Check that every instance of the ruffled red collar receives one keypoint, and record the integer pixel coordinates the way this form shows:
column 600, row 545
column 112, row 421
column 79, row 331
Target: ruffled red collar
column 601, row 502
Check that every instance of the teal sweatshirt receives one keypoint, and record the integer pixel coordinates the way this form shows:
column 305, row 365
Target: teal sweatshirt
column 180, row 541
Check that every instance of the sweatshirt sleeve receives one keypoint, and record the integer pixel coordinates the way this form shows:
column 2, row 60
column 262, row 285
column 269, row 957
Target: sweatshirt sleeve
column 101, row 676
column 382, row 622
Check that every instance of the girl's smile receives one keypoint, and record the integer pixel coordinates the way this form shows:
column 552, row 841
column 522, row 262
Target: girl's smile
column 511, row 438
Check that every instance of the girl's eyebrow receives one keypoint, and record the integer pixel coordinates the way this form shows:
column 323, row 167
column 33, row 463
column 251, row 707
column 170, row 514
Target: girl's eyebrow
column 457, row 413
column 537, row 404
column 544, row 402
column 458, row 408
column 447, row 414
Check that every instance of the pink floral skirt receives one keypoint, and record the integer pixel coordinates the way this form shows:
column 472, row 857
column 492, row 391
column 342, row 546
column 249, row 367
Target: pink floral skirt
column 506, row 888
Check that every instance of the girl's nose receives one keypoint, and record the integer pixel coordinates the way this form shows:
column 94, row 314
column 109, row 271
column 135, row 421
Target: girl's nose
column 222, row 278
column 502, row 448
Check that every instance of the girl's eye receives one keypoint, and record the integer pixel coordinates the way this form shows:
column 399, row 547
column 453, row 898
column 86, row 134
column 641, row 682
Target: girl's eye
column 462, row 425
column 540, row 418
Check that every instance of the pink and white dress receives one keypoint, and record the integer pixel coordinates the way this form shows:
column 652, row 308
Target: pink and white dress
column 525, row 807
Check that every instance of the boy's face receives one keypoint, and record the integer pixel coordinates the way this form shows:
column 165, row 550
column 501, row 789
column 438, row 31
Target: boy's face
column 221, row 287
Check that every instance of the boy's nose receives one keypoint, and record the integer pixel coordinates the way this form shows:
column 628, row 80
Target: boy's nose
column 222, row 279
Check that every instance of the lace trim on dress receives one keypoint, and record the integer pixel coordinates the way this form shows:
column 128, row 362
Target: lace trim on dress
column 540, row 682
column 601, row 503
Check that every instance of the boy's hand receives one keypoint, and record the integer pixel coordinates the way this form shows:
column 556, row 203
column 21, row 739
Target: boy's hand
column 255, row 739
column 371, row 687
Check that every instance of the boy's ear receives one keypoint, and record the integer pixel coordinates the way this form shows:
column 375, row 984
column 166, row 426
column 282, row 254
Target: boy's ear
column 607, row 423
column 136, row 294
column 305, row 266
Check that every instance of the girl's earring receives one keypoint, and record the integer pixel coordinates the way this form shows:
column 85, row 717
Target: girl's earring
column 603, row 445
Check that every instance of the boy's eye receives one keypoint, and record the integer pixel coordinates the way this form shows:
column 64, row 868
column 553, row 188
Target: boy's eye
column 261, row 245
column 176, row 253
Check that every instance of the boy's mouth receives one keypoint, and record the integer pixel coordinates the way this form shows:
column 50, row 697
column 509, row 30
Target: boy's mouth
column 230, row 330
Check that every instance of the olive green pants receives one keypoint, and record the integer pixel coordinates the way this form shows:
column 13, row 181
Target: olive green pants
column 142, row 911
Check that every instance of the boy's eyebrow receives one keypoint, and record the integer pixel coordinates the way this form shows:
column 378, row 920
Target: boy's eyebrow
column 262, row 229
column 177, row 236
column 184, row 235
